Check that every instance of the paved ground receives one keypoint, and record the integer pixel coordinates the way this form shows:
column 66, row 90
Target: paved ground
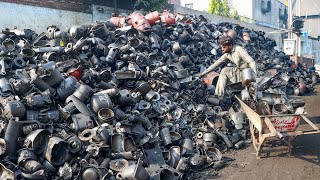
column 303, row 164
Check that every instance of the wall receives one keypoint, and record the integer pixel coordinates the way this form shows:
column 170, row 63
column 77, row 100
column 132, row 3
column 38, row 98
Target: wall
column 219, row 19
column 270, row 18
column 70, row 5
column 39, row 18
column 309, row 47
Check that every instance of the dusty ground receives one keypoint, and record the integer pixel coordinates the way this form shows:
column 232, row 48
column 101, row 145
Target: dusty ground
column 303, row 164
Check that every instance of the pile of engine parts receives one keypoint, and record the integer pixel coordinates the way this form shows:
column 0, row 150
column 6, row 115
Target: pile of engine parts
column 119, row 99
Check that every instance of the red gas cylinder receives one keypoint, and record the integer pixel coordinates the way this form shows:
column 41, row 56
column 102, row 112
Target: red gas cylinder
column 138, row 21
column 153, row 17
column 167, row 18
column 118, row 21
column 75, row 72
column 294, row 66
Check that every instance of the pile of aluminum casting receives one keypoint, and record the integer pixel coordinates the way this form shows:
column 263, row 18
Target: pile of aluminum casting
column 120, row 99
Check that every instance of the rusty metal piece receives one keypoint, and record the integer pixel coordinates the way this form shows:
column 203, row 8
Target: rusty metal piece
column 105, row 115
column 87, row 135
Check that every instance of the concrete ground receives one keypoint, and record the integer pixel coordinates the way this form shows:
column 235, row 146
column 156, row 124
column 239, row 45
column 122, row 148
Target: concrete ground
column 304, row 164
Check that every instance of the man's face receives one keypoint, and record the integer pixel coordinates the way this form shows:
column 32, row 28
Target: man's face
column 226, row 48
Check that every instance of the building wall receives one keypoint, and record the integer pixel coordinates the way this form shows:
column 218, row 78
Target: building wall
column 309, row 47
column 271, row 18
column 39, row 18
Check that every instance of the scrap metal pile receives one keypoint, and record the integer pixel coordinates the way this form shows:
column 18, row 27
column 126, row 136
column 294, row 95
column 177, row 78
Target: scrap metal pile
column 120, row 100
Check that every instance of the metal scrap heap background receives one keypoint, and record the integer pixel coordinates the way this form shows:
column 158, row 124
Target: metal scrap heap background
column 119, row 99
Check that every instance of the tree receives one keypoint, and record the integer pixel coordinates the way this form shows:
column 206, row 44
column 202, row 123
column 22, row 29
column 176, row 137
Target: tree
column 234, row 13
column 150, row 5
column 221, row 8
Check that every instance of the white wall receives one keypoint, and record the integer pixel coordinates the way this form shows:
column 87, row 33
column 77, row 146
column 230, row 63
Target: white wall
column 39, row 18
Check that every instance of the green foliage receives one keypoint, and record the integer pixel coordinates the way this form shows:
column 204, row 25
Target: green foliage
column 243, row 18
column 234, row 13
column 150, row 5
column 221, row 8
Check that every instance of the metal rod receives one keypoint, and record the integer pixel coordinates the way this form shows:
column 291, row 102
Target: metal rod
column 290, row 18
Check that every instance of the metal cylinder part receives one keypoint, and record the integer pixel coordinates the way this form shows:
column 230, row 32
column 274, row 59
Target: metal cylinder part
column 5, row 87
column 37, row 140
column 240, row 144
column 13, row 132
column 105, row 115
column 83, row 93
column 187, row 147
column 14, row 109
column 238, row 119
column 210, row 137
column 117, row 142
column 165, row 136
column 57, row 151
column 81, row 122
column 54, row 78
column 247, row 76
column 90, row 174
column 279, row 109
column 100, row 100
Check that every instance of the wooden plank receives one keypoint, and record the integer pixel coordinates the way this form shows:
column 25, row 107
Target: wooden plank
column 298, row 133
column 270, row 126
column 252, row 116
column 281, row 115
column 310, row 123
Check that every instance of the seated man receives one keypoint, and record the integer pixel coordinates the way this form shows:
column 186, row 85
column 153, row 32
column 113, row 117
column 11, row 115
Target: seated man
column 235, row 54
